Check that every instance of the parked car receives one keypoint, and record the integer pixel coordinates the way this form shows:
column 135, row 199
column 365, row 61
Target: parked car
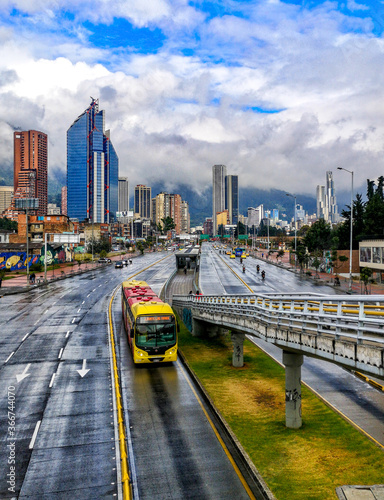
column 118, row 264
column 103, row 260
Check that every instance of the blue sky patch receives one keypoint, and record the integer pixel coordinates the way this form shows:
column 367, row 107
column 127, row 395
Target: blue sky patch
column 122, row 34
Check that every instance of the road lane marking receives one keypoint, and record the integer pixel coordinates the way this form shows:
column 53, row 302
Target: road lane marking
column 79, row 309
column 83, row 302
column 52, row 379
column 67, row 334
column 25, row 336
column 24, row 375
column 74, row 319
column 34, row 436
column 61, row 353
column 10, row 356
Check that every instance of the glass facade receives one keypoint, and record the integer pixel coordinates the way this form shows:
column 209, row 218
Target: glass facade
column 92, row 169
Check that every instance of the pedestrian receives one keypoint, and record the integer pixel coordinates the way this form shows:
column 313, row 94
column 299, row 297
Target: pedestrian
column 185, row 269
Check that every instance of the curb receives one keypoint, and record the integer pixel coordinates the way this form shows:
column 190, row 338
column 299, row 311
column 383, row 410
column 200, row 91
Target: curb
column 246, row 461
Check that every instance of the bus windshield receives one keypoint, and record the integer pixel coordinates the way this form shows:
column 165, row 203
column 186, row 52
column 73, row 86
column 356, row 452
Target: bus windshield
column 155, row 331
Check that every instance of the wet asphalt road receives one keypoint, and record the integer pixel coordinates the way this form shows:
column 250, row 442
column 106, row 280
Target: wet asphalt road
column 176, row 454
column 356, row 399
column 55, row 375
column 47, row 335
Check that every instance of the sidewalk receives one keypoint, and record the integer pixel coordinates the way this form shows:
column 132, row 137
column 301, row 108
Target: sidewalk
column 323, row 278
column 19, row 284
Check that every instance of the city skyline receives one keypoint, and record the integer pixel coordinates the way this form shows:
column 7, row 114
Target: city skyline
column 282, row 88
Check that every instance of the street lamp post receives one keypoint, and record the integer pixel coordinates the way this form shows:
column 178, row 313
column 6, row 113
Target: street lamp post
column 351, row 231
column 294, row 196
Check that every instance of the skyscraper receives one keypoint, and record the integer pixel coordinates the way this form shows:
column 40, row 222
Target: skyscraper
column 64, row 200
column 142, row 201
column 30, row 167
column 92, row 168
column 232, row 198
column 123, row 194
column 219, row 173
column 326, row 200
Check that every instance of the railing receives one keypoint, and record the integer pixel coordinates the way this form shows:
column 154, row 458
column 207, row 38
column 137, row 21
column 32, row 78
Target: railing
column 359, row 319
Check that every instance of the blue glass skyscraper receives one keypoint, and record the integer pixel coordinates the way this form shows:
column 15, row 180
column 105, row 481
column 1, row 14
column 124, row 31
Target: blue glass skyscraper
column 92, row 168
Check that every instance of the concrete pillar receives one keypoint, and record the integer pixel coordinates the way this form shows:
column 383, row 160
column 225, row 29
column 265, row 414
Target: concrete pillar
column 292, row 364
column 238, row 349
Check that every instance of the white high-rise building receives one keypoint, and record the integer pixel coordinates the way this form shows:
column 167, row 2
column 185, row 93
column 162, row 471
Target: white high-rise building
column 326, row 201
column 255, row 216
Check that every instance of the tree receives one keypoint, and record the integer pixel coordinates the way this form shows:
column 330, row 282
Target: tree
column 343, row 230
column 302, row 255
column 319, row 236
column 365, row 275
column 168, row 224
column 8, row 224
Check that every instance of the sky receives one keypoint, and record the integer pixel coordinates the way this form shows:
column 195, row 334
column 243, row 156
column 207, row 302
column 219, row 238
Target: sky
column 278, row 91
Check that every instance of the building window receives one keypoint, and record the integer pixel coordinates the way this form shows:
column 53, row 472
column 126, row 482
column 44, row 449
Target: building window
column 365, row 254
column 376, row 255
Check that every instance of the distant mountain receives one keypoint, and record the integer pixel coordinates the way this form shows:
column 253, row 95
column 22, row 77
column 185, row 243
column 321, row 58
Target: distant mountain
column 200, row 204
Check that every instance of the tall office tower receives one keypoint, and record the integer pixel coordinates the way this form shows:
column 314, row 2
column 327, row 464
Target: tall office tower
column 31, row 156
column 326, row 200
column 219, row 173
column 185, row 217
column 64, row 210
column 6, row 193
column 333, row 212
column 142, row 201
column 321, row 209
column 92, row 168
column 232, row 198
column 123, row 194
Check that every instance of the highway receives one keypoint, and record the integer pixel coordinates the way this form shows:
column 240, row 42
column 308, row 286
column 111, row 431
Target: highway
column 60, row 437
column 55, row 375
column 353, row 397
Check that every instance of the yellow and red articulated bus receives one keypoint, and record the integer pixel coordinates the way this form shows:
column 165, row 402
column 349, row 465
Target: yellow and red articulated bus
column 150, row 324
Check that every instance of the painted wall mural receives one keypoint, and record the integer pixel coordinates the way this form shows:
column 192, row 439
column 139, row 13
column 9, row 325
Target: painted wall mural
column 14, row 261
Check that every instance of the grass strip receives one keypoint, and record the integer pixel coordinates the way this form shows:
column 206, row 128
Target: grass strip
column 304, row 464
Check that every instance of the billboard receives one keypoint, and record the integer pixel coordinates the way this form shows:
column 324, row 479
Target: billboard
column 66, row 238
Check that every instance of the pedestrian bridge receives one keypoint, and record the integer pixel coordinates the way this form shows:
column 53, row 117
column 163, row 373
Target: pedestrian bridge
column 345, row 330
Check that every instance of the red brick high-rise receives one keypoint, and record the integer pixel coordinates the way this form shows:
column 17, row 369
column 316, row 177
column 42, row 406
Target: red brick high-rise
column 31, row 157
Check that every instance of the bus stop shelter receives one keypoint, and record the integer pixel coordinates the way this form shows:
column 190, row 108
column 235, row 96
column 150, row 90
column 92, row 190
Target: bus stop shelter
column 188, row 258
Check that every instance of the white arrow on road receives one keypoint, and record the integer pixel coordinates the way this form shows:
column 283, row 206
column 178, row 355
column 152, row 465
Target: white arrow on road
column 24, row 375
column 83, row 371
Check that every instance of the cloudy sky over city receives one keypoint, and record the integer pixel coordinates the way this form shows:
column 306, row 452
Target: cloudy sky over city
column 280, row 92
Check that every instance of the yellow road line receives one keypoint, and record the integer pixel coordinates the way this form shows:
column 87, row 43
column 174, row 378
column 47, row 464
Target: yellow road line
column 237, row 470
column 125, row 479
column 237, row 276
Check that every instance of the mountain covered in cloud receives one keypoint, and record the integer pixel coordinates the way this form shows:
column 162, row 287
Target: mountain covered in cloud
column 200, row 203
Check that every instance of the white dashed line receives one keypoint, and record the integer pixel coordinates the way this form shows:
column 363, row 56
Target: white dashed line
column 32, row 443
column 10, row 356
column 67, row 334
column 25, row 336
column 52, row 379
column 60, row 353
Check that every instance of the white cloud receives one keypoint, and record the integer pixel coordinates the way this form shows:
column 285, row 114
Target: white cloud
column 173, row 117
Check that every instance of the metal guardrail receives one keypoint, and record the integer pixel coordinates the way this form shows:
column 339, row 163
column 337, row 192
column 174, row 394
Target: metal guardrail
column 359, row 319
